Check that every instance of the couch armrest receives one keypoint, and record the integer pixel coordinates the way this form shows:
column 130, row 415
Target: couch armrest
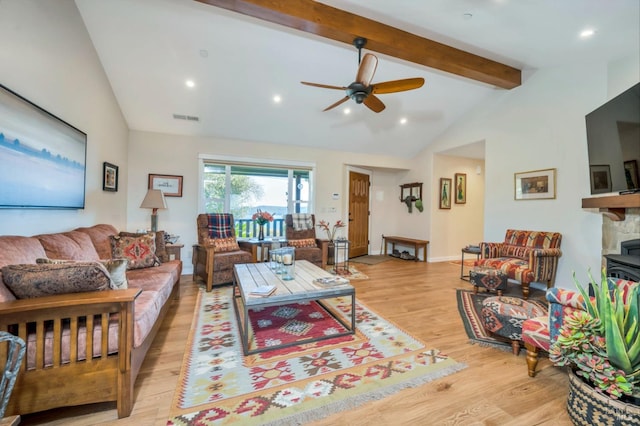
column 561, row 303
column 203, row 255
column 543, row 263
column 490, row 250
column 324, row 246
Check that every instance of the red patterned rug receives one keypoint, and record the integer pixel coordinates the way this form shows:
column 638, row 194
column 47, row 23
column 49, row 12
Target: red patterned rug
column 218, row 385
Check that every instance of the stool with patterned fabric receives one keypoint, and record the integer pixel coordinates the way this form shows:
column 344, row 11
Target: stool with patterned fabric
column 490, row 278
column 503, row 316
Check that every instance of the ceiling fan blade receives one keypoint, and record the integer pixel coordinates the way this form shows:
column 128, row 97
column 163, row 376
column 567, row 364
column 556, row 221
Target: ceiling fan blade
column 397, row 85
column 324, row 86
column 367, row 69
column 343, row 100
column 374, row 103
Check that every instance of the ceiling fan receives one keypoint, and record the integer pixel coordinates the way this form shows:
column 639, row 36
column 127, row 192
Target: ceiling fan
column 361, row 90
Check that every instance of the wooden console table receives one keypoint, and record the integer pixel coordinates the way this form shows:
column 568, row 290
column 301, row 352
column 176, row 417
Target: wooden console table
column 417, row 244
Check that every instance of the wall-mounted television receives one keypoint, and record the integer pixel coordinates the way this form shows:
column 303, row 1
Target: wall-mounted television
column 42, row 158
column 613, row 141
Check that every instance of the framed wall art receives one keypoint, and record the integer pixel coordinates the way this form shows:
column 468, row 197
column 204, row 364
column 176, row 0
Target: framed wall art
column 631, row 174
column 461, row 188
column 109, row 177
column 600, row 177
column 170, row 185
column 43, row 158
column 535, row 185
column 445, row 193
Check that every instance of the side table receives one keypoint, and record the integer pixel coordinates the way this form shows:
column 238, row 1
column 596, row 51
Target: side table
column 174, row 251
column 259, row 249
column 468, row 250
column 341, row 256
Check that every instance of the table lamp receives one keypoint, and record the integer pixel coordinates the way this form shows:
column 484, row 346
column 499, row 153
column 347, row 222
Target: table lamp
column 154, row 200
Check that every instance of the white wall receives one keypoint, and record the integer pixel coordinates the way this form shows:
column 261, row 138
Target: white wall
column 540, row 125
column 47, row 57
column 178, row 155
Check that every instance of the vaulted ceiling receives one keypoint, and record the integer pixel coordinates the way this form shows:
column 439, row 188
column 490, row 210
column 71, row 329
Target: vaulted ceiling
column 240, row 54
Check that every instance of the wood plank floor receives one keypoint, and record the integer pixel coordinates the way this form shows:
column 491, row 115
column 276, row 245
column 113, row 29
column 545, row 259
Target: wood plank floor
column 419, row 297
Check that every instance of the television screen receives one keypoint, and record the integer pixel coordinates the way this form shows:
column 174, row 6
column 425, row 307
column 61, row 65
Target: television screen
column 613, row 141
column 42, row 158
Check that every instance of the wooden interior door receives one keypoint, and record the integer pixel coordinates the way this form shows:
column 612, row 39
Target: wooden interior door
column 358, row 214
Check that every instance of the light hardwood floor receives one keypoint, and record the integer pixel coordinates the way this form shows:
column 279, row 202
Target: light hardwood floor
column 419, row 297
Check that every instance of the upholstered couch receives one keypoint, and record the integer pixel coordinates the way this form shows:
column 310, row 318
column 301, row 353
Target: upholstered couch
column 525, row 256
column 70, row 359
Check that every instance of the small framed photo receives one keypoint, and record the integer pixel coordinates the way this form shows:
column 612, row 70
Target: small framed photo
column 461, row 188
column 631, row 174
column 535, row 185
column 170, row 185
column 600, row 177
column 109, row 177
column 445, row 193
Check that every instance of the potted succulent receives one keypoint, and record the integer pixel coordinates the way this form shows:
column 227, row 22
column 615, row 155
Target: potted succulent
column 602, row 346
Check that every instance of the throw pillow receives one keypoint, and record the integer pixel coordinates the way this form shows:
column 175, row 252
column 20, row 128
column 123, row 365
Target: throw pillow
column 27, row 281
column 225, row 244
column 161, row 248
column 117, row 269
column 139, row 251
column 303, row 243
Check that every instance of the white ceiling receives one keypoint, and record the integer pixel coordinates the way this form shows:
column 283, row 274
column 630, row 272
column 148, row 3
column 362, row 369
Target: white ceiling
column 149, row 48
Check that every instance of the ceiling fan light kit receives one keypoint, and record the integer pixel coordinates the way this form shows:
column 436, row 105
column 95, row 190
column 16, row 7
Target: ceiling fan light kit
column 361, row 90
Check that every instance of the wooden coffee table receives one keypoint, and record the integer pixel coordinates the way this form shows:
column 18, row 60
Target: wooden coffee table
column 249, row 276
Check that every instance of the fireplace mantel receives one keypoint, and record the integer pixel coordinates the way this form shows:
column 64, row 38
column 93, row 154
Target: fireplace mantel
column 613, row 206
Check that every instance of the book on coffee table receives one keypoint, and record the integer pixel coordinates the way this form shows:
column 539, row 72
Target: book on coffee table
column 263, row 291
column 331, row 281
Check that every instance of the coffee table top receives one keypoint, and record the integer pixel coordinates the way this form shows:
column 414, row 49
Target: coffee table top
column 249, row 276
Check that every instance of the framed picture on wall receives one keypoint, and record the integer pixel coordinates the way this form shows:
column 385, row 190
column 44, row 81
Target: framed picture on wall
column 170, row 185
column 445, row 193
column 109, row 177
column 461, row 188
column 535, row 185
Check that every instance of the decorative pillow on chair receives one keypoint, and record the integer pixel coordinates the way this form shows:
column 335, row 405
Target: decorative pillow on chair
column 307, row 242
column 117, row 269
column 139, row 251
column 224, row 244
column 302, row 221
column 36, row 280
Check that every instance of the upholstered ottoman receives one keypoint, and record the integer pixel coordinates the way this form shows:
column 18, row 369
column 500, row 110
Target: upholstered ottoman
column 490, row 278
column 503, row 316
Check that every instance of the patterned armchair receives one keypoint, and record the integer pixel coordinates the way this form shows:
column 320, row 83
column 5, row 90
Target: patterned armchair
column 217, row 249
column 541, row 332
column 525, row 256
column 300, row 230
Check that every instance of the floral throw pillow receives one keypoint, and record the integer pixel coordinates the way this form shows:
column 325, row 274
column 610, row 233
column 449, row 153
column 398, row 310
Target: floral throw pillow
column 303, row 243
column 139, row 251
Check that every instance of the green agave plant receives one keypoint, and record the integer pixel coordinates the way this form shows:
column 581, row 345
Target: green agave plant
column 603, row 342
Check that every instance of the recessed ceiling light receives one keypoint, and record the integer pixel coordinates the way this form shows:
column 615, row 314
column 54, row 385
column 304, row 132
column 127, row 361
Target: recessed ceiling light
column 347, row 111
column 190, row 83
column 277, row 99
column 403, row 120
column 587, row 33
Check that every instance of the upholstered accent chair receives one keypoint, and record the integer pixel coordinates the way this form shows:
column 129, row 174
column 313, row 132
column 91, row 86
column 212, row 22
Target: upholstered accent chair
column 217, row 249
column 539, row 333
column 524, row 256
column 300, row 231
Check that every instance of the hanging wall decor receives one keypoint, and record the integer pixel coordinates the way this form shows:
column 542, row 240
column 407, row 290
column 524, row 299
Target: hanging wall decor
column 445, row 193
column 461, row 188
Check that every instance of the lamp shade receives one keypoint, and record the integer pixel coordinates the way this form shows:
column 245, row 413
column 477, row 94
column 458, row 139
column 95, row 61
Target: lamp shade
column 154, row 200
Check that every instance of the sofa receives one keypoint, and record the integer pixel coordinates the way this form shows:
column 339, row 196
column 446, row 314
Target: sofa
column 524, row 256
column 88, row 317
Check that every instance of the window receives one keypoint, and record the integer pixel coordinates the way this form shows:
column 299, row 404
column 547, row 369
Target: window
column 242, row 189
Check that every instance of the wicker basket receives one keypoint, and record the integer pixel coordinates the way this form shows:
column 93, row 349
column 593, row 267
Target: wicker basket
column 587, row 407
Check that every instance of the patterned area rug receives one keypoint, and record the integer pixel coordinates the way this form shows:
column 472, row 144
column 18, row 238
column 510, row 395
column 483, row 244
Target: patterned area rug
column 218, row 385
column 470, row 309
column 371, row 259
column 352, row 273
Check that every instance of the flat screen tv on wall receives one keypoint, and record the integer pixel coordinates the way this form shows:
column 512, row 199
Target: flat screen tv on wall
column 42, row 158
column 613, row 141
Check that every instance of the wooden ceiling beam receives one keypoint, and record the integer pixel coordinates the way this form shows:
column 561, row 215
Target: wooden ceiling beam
column 326, row 21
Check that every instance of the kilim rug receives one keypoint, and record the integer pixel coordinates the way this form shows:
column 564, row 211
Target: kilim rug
column 470, row 309
column 352, row 273
column 218, row 385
